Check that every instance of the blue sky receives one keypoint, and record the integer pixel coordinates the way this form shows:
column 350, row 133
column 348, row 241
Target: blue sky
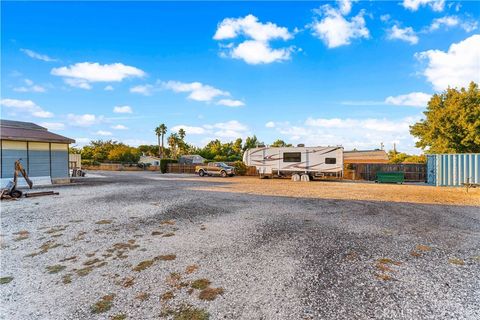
column 319, row 73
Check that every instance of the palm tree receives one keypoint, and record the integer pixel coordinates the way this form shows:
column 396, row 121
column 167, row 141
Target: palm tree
column 182, row 134
column 160, row 131
column 173, row 142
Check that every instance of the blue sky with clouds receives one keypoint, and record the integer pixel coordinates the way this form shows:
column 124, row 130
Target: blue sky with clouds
column 355, row 73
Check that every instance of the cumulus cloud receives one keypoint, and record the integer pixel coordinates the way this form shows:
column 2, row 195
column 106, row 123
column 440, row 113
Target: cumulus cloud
column 231, row 103
column 29, row 86
column 255, row 48
column 108, row 88
column 196, row 90
column 146, row 89
column 53, row 125
column 455, row 67
column 81, row 74
column 405, row 34
column 122, row 109
column 414, row 5
column 103, row 133
column 453, row 21
column 35, row 55
column 119, row 127
column 83, row 120
column 270, row 124
column 413, row 99
column 223, row 130
column 335, row 30
column 350, row 133
column 27, row 106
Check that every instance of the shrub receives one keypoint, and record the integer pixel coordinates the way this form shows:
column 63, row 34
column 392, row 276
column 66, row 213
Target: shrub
column 164, row 162
column 240, row 168
column 90, row 162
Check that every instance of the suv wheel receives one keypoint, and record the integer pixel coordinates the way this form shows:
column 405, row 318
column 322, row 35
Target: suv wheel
column 201, row 173
column 223, row 173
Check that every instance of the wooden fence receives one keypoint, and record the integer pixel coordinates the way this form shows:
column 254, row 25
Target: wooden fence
column 190, row 168
column 414, row 172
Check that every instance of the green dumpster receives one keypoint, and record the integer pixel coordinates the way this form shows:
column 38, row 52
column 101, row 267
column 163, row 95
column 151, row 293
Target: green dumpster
column 390, row 177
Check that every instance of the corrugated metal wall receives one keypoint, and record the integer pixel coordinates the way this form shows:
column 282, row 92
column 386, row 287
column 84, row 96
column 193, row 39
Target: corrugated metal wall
column 453, row 169
column 40, row 159
column 59, row 152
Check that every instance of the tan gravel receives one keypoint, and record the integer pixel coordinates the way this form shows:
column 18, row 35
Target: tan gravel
column 344, row 190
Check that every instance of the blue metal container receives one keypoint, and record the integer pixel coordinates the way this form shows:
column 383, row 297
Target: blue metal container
column 453, row 169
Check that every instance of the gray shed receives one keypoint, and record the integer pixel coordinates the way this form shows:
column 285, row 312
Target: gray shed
column 44, row 154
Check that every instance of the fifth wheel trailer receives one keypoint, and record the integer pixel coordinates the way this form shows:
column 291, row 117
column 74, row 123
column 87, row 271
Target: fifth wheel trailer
column 286, row 161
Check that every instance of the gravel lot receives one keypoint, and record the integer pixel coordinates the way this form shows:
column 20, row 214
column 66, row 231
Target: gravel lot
column 133, row 243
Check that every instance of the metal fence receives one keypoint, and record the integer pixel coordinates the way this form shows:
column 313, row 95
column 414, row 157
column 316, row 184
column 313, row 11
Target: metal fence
column 414, row 172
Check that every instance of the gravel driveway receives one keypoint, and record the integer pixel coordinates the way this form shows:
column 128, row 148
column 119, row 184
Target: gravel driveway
column 142, row 245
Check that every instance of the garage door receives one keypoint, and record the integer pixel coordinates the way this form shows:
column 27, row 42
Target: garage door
column 59, row 152
column 11, row 151
column 38, row 159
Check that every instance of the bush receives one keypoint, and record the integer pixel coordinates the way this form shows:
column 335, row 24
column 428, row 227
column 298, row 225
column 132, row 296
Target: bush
column 90, row 162
column 164, row 162
column 240, row 168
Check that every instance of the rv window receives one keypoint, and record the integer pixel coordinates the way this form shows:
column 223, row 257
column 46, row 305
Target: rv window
column 292, row 157
column 330, row 160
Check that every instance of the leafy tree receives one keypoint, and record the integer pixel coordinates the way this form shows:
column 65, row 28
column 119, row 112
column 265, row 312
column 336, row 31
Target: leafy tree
column 149, row 150
column 452, row 123
column 280, row 143
column 401, row 157
column 124, row 153
column 251, row 142
column 173, row 141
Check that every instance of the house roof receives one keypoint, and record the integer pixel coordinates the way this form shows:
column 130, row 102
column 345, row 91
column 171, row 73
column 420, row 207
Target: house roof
column 28, row 131
column 365, row 156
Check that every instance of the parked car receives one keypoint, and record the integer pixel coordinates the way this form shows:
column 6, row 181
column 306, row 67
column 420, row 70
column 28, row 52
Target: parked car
column 215, row 169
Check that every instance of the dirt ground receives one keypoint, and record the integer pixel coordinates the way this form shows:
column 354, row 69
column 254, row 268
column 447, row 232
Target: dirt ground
column 345, row 190
column 141, row 245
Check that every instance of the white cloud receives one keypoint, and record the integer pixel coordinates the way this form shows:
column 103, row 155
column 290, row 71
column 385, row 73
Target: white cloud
column 222, row 130
column 82, row 141
column 350, row 133
column 197, row 90
column 255, row 48
column 122, row 109
column 103, row 133
column 336, row 30
column 406, row 34
column 119, row 127
column 35, row 55
column 82, row 74
column 453, row 21
column 345, row 6
column 413, row 5
column 108, row 88
column 413, row 99
column 27, row 106
column 231, row 103
column 33, row 88
column 270, row 124
column 456, row 67
column 53, row 125
column 78, row 83
column 189, row 129
column 146, row 90
column 83, row 120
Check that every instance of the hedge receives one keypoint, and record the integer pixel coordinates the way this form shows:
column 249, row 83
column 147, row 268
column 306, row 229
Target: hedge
column 164, row 162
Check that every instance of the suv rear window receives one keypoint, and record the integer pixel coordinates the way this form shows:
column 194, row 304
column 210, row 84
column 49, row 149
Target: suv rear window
column 292, row 156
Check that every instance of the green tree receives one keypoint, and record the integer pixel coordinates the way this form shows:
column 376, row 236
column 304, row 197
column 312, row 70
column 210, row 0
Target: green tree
column 160, row 131
column 182, row 134
column 251, row 142
column 124, row 153
column 149, row 150
column 280, row 143
column 452, row 123
column 173, row 141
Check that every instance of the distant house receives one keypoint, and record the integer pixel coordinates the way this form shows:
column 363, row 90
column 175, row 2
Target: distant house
column 191, row 159
column 43, row 154
column 153, row 161
column 365, row 156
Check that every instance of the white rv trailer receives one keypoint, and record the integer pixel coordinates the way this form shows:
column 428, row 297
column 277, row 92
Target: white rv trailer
column 285, row 161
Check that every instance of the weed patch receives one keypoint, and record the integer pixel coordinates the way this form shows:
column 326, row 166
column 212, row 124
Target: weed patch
column 103, row 222
column 120, row 316
column 143, row 265
column 55, row 268
column 186, row 312
column 22, row 235
column 191, row 269
column 84, row 271
column 200, row 284
column 142, row 296
column 5, row 280
column 167, row 296
column 157, row 233
column 170, row 234
column 128, row 282
column 104, row 304
column 66, row 279
column 421, row 247
column 456, row 261
column 167, row 257
column 210, row 294
column 56, row 229
column 168, row 222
